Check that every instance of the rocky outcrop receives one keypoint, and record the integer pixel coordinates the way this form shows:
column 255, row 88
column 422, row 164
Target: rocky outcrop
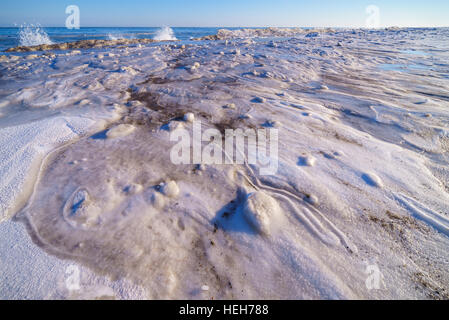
column 82, row 44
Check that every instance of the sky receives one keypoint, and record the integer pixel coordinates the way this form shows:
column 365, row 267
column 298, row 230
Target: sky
column 226, row 13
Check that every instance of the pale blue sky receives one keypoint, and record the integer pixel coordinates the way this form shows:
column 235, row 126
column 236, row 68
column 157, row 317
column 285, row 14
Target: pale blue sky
column 229, row 13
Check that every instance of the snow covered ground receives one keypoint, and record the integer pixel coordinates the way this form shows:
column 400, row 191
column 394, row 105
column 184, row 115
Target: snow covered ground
column 358, row 208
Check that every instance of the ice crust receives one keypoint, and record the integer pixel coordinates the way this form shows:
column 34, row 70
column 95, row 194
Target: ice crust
column 23, row 147
column 362, row 176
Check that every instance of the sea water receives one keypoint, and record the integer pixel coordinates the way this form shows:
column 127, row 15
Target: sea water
column 29, row 35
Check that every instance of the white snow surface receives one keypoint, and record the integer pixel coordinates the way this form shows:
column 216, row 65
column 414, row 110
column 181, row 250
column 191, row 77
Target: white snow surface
column 362, row 178
column 22, row 148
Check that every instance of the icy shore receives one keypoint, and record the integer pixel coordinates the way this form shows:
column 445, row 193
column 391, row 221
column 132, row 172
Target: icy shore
column 362, row 179
column 82, row 44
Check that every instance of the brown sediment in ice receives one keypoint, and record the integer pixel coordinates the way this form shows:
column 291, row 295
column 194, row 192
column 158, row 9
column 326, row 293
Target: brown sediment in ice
column 155, row 210
column 115, row 203
column 82, row 44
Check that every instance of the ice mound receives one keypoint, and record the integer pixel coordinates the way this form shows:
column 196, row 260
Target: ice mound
column 229, row 106
column 189, row 117
column 261, row 210
column 133, row 188
column 312, row 199
column 372, row 179
column 195, row 66
column 119, row 131
column 308, row 161
column 259, row 100
column 157, row 200
column 170, row 189
column 80, row 210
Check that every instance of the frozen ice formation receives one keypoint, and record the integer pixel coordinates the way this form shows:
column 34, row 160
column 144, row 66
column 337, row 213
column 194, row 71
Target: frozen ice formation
column 22, row 148
column 82, row 44
column 223, row 34
column 230, row 106
column 259, row 100
column 308, row 161
column 129, row 70
column 361, row 175
column 312, row 199
column 170, row 189
column 272, row 124
column 80, row 210
column 312, row 34
column 195, row 66
column 119, row 131
column 189, row 117
column 261, row 210
column 372, row 179
column 133, row 188
column 157, row 200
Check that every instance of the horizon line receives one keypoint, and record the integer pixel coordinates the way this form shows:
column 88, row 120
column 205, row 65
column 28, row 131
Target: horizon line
column 249, row 27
